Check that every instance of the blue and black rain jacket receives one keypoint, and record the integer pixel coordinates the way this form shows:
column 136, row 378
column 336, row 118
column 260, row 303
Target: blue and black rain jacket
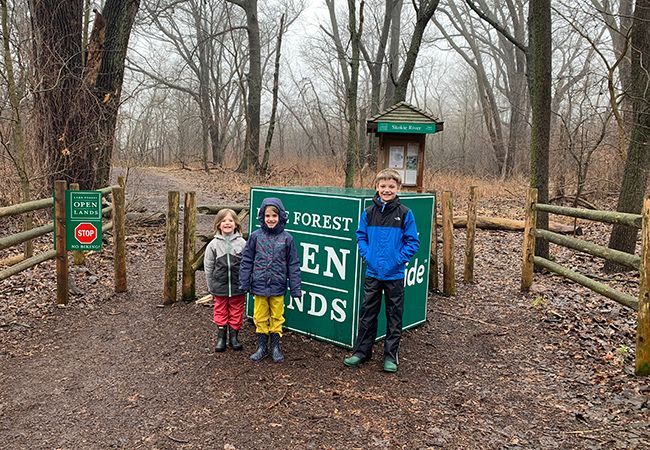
column 387, row 238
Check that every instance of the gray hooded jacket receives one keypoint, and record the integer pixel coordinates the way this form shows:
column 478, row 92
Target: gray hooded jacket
column 221, row 264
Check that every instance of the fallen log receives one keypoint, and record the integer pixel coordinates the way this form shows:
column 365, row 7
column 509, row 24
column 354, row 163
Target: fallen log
column 151, row 219
column 500, row 223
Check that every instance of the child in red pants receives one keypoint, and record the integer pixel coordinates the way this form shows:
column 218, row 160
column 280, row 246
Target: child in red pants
column 221, row 267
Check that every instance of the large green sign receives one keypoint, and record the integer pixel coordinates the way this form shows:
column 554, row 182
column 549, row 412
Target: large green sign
column 403, row 127
column 323, row 222
column 83, row 220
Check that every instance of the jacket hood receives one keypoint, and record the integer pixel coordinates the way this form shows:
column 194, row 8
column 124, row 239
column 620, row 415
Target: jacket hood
column 282, row 219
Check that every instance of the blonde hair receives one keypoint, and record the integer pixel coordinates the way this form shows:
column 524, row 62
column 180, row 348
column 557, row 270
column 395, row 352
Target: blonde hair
column 272, row 208
column 221, row 215
column 388, row 174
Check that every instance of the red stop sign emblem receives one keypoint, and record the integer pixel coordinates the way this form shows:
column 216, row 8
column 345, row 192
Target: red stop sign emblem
column 85, row 233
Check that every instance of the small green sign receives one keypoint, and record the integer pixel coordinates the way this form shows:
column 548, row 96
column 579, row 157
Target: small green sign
column 404, row 127
column 83, row 220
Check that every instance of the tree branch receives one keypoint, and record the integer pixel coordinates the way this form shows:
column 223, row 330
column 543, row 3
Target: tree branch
column 497, row 26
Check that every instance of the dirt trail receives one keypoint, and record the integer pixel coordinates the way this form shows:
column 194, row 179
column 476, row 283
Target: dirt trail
column 487, row 370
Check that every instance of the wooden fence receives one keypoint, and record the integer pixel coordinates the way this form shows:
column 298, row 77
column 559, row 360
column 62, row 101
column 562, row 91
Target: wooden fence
column 117, row 223
column 642, row 263
column 193, row 261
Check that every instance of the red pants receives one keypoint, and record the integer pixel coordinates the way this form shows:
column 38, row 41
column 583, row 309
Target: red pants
column 229, row 311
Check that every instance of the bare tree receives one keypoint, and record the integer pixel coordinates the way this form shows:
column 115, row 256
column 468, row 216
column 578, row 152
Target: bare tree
column 538, row 64
column 196, row 31
column 424, row 12
column 250, row 162
column 274, row 102
column 637, row 164
column 19, row 155
column 352, row 153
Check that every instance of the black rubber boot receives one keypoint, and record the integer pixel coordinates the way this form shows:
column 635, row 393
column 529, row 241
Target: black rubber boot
column 262, row 348
column 221, row 339
column 234, row 339
column 276, row 354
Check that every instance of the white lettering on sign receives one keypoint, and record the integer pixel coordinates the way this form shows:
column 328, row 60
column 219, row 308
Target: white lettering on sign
column 319, row 305
column 311, row 251
column 318, row 221
column 322, row 221
column 338, row 310
column 85, row 204
column 414, row 274
column 317, row 298
column 85, row 233
column 332, row 257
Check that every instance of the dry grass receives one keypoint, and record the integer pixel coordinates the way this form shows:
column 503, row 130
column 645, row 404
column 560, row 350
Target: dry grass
column 496, row 198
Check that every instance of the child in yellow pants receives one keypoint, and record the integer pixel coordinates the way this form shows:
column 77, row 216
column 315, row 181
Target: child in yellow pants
column 270, row 263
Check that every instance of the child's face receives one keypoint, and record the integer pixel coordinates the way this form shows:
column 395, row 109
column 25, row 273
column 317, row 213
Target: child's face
column 387, row 189
column 227, row 225
column 270, row 218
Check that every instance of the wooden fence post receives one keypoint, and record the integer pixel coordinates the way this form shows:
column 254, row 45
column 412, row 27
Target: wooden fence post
column 642, row 366
column 61, row 253
column 448, row 280
column 119, row 239
column 171, row 248
column 188, row 290
column 433, row 261
column 528, row 263
column 468, row 272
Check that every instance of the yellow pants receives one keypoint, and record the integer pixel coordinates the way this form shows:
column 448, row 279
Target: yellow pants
column 268, row 314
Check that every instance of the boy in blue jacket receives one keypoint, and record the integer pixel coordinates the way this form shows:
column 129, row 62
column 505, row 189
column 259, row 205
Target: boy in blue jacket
column 270, row 261
column 387, row 238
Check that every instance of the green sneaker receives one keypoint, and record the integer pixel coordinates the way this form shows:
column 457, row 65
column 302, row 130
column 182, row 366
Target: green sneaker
column 353, row 361
column 390, row 366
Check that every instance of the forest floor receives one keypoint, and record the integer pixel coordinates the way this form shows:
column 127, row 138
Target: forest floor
column 491, row 367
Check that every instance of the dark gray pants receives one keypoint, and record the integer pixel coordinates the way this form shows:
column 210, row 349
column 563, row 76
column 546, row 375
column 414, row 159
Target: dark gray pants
column 393, row 291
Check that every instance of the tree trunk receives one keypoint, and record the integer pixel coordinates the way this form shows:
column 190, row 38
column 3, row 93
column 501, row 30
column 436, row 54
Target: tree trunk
column 274, row 104
column 637, row 164
column 352, row 152
column 393, row 53
column 58, row 67
column 215, row 141
column 424, row 14
column 76, row 106
column 539, row 86
column 250, row 162
column 375, row 69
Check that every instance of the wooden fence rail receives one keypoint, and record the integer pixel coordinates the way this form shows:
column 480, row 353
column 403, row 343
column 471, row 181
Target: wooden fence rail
column 58, row 223
column 642, row 263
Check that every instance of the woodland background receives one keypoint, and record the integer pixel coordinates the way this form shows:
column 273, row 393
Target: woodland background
column 555, row 91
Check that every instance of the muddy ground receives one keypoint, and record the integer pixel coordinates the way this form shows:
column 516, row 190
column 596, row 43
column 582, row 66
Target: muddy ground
column 491, row 368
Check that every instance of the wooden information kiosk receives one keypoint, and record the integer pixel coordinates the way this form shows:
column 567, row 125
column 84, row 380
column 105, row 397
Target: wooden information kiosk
column 401, row 130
